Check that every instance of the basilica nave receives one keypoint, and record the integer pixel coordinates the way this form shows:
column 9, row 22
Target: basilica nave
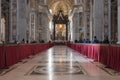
column 59, row 39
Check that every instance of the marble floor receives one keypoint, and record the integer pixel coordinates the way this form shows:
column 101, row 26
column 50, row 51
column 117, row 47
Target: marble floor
column 57, row 63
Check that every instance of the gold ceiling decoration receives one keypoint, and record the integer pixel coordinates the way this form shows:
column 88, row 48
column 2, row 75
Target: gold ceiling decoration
column 56, row 5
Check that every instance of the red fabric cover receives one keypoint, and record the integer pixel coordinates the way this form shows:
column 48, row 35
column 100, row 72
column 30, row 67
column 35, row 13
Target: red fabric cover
column 106, row 54
column 113, row 60
column 24, row 51
column 11, row 55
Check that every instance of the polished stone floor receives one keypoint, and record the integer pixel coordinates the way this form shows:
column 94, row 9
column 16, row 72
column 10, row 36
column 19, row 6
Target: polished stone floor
column 57, row 63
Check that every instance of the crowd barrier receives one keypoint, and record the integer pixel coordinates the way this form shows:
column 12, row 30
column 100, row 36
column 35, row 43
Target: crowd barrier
column 11, row 54
column 108, row 55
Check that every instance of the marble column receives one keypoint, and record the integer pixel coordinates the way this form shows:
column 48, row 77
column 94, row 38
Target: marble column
column 21, row 19
column 51, row 26
column 13, row 21
column 91, row 20
column 71, row 30
column 109, row 20
column 85, row 25
column 76, row 26
column 28, row 21
column 0, row 21
column 45, row 2
column 45, row 26
column 38, row 32
column 118, row 21
column 75, row 2
column 48, row 32
column 98, row 14
column 114, row 21
column 32, row 28
column 54, row 31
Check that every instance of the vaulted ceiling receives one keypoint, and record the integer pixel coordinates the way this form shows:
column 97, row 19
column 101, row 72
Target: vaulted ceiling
column 64, row 5
column 56, row 5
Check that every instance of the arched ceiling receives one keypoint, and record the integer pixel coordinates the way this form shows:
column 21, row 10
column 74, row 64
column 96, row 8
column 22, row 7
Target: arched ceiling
column 64, row 5
column 56, row 5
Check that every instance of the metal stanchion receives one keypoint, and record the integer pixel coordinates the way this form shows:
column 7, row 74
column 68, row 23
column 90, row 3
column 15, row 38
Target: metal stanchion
column 4, row 56
column 19, row 53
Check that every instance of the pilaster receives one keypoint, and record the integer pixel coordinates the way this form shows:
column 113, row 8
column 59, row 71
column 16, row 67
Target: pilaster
column 21, row 19
column 98, row 14
column 85, row 24
column 0, row 21
column 13, row 21
column 76, row 25
column 118, row 21
column 91, row 20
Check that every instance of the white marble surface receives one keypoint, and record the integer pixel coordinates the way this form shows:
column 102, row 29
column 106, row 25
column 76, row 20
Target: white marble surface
column 21, row 20
column 60, row 54
column 98, row 16
column 118, row 21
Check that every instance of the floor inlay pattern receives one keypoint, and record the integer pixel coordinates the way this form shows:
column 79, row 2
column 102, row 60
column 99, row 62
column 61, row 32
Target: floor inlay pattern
column 73, row 62
column 56, row 70
column 108, row 70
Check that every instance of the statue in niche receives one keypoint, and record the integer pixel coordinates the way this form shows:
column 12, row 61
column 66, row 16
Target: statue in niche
column 3, row 29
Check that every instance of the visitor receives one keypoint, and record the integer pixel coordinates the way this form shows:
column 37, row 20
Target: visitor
column 23, row 41
column 76, row 41
column 95, row 40
column 87, row 41
column 106, row 41
column 84, row 40
column 27, row 41
column 80, row 40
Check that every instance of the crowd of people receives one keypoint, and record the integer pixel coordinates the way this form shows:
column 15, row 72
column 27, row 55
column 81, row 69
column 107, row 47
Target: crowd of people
column 94, row 41
column 23, row 41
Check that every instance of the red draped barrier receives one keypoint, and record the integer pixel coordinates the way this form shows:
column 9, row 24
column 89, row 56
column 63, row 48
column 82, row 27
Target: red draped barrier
column 114, row 57
column 39, row 47
column 25, row 51
column 96, row 52
column 107, row 54
column 11, row 54
column 90, row 51
column 103, row 53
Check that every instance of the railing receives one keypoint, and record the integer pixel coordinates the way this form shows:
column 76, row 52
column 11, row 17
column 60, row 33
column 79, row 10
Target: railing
column 11, row 54
column 109, row 55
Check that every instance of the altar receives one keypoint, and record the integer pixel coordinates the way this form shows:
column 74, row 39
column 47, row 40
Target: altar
column 60, row 32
